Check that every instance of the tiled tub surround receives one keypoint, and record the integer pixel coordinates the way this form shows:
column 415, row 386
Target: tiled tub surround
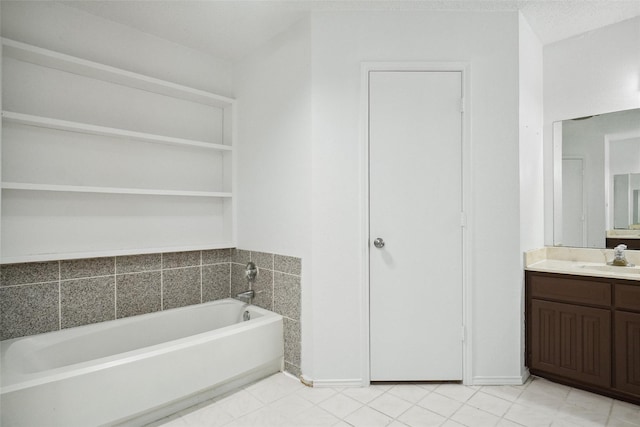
column 277, row 288
column 48, row 296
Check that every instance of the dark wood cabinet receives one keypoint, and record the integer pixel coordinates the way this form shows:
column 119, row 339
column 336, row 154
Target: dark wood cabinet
column 627, row 356
column 612, row 242
column 584, row 332
column 572, row 341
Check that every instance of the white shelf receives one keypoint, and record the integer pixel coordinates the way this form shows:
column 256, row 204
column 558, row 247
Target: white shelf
column 52, row 225
column 45, row 122
column 109, row 253
column 110, row 190
column 60, row 61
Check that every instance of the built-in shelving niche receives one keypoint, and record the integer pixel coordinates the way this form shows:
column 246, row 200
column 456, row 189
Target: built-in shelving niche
column 99, row 161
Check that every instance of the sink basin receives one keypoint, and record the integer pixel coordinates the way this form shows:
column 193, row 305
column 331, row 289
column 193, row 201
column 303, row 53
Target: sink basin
column 612, row 268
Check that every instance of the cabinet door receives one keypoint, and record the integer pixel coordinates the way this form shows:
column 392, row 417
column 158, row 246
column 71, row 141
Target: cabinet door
column 627, row 352
column 572, row 341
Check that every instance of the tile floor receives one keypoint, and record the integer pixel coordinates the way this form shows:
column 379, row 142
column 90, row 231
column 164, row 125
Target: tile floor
column 282, row 401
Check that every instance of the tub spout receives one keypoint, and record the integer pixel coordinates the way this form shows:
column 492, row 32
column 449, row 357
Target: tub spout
column 247, row 295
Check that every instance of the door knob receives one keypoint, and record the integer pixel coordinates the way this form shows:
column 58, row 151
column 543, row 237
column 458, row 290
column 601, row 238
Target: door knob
column 378, row 243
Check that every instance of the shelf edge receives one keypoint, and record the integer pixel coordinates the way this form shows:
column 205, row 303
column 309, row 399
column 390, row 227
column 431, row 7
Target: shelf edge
column 46, row 122
column 109, row 253
column 52, row 59
column 111, row 190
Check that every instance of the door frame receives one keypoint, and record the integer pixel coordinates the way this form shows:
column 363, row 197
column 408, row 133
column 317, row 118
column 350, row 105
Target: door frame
column 466, row 217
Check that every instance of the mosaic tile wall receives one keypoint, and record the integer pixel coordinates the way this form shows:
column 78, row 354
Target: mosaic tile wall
column 48, row 296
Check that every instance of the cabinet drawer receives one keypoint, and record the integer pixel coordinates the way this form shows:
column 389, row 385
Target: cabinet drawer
column 628, row 297
column 576, row 291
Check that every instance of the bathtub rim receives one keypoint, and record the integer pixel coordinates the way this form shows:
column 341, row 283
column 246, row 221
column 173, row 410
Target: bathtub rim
column 21, row 381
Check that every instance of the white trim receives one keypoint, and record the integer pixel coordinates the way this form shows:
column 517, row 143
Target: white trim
column 499, row 380
column 109, row 253
column 289, row 374
column 68, row 126
column 465, row 69
column 338, row 383
column 467, row 235
column 557, row 183
column 364, row 209
column 608, row 197
column 60, row 61
column 233, row 110
column 110, row 190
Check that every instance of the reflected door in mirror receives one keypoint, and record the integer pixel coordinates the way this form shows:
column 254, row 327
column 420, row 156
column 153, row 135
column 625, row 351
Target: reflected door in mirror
column 573, row 209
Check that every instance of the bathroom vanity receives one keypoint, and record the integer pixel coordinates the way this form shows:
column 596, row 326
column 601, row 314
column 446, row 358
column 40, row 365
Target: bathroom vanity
column 583, row 321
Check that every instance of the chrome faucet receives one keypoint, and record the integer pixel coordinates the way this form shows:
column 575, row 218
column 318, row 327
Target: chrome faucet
column 250, row 273
column 618, row 256
column 247, row 295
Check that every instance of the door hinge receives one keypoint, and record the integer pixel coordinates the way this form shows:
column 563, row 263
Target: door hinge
column 463, row 219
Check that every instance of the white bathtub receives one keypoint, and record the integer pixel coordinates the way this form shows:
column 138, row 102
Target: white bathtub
column 138, row 369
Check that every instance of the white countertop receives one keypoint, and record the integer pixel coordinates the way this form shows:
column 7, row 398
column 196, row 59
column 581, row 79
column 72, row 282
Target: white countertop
column 624, row 234
column 582, row 262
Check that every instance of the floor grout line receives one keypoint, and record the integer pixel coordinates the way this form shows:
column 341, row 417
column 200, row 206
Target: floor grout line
column 283, row 389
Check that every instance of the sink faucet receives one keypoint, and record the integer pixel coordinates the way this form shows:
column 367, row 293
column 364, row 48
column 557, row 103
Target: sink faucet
column 247, row 295
column 618, row 256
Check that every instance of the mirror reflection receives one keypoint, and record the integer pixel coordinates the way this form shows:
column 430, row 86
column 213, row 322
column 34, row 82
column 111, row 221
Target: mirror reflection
column 597, row 180
column 625, row 201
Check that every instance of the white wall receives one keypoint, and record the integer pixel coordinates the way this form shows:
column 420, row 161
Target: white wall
column 68, row 30
column 489, row 42
column 625, row 156
column 1, row 126
column 594, row 73
column 300, row 147
column 531, row 153
column 531, row 149
column 273, row 88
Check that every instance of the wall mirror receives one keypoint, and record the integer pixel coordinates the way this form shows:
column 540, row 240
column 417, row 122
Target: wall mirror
column 597, row 180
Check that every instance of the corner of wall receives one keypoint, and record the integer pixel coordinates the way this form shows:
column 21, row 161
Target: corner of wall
column 530, row 138
column 531, row 160
column 273, row 88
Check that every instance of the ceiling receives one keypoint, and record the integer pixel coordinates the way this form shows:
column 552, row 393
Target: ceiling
column 230, row 29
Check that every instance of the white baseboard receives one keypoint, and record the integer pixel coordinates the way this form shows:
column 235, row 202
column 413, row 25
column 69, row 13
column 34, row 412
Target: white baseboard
column 500, row 380
column 336, row 383
column 477, row 380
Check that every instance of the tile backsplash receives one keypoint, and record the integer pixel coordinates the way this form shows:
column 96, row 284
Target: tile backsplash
column 47, row 296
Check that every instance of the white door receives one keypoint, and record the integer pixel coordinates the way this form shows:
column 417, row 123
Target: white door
column 415, row 148
column 573, row 217
column 621, row 208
